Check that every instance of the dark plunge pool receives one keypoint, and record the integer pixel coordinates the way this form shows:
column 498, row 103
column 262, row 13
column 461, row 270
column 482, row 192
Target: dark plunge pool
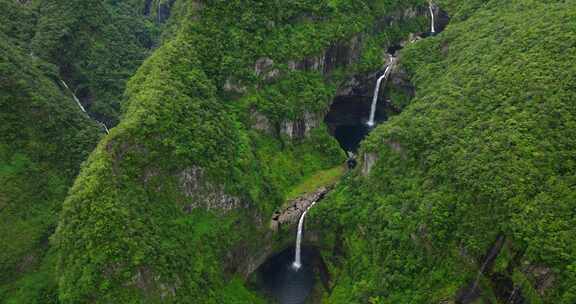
column 348, row 117
column 350, row 136
column 285, row 284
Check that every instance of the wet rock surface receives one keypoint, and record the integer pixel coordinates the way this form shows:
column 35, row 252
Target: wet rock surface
column 291, row 214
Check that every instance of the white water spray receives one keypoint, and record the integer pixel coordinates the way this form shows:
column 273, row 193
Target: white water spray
column 377, row 91
column 433, row 23
column 297, row 257
column 82, row 107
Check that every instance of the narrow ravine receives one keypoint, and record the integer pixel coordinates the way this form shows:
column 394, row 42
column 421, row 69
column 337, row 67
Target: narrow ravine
column 82, row 107
column 290, row 276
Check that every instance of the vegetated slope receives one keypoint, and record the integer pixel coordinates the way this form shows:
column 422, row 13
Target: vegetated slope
column 96, row 45
column 181, row 191
column 43, row 139
column 482, row 158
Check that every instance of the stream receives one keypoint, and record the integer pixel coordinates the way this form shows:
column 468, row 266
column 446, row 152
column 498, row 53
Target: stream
column 290, row 275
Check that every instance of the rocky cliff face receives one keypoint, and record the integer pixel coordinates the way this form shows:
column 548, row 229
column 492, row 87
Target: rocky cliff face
column 205, row 195
column 368, row 162
column 339, row 54
column 292, row 129
column 300, row 128
column 445, row 199
column 291, row 214
column 173, row 232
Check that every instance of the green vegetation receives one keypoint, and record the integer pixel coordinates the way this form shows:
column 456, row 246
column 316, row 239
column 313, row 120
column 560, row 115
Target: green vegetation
column 320, row 179
column 126, row 212
column 171, row 204
column 486, row 148
column 95, row 45
column 43, row 139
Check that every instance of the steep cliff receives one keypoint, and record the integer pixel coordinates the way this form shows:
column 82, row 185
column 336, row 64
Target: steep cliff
column 44, row 134
column 96, row 45
column 467, row 196
column 44, row 137
column 220, row 123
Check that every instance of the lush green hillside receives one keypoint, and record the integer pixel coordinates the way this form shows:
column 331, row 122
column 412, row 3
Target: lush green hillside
column 43, row 139
column 44, row 136
column 129, row 229
column 96, row 45
column 485, row 150
column 470, row 199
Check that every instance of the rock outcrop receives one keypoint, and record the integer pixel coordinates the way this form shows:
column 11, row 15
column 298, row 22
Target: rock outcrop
column 264, row 68
column 261, row 123
column 294, row 129
column 369, row 159
column 203, row 194
column 233, row 86
column 300, row 128
column 542, row 276
column 339, row 54
column 291, row 214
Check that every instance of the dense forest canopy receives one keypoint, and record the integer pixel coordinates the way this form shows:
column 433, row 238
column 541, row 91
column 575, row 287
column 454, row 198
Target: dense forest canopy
column 465, row 194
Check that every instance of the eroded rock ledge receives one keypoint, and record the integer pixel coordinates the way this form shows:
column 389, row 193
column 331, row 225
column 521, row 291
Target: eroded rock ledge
column 292, row 213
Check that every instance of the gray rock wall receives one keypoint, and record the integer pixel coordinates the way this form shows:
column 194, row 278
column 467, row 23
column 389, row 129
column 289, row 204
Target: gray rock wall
column 203, row 194
column 291, row 214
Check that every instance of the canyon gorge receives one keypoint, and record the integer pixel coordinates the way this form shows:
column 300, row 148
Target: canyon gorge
column 292, row 152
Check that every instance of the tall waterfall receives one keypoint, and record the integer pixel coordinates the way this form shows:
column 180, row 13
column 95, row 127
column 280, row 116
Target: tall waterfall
column 297, row 257
column 377, row 91
column 82, row 107
column 433, row 23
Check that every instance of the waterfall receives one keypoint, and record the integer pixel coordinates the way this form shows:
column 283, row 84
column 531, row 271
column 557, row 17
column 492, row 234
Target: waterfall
column 74, row 96
column 297, row 257
column 433, row 23
column 377, row 90
column 82, row 107
column 159, row 11
column 103, row 126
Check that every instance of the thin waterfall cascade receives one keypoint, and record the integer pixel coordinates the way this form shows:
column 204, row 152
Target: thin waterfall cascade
column 74, row 96
column 159, row 11
column 432, row 15
column 104, row 126
column 297, row 257
column 384, row 76
column 82, row 107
